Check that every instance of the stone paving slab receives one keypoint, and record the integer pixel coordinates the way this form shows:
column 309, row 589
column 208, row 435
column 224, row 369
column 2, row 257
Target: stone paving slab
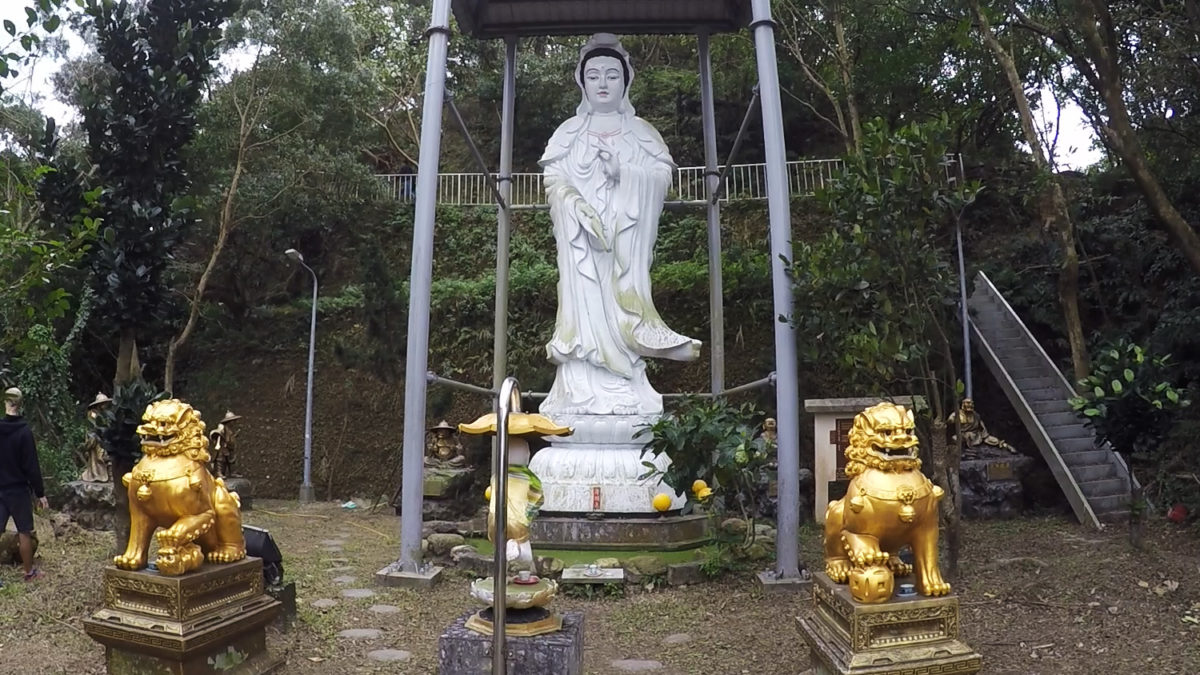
column 677, row 639
column 324, row 603
column 389, row 655
column 384, row 609
column 360, row 633
column 636, row 665
column 344, row 579
column 358, row 593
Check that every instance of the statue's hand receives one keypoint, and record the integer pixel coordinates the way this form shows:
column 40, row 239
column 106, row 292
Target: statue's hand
column 610, row 165
column 594, row 224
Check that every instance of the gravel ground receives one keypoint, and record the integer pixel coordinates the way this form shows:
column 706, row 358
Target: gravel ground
column 1040, row 595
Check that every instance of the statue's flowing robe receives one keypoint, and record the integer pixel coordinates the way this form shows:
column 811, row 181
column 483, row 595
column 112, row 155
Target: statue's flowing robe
column 606, row 321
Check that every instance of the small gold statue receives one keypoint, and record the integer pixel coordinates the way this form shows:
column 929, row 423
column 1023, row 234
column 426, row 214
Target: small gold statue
column 524, row 497
column 171, row 488
column 889, row 504
column 444, row 447
column 96, row 465
column 221, row 440
column 977, row 442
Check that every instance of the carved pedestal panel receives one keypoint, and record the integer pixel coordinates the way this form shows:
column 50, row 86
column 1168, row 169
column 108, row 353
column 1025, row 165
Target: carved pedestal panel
column 903, row 636
column 211, row 620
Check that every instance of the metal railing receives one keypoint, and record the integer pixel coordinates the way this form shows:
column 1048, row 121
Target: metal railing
column 743, row 181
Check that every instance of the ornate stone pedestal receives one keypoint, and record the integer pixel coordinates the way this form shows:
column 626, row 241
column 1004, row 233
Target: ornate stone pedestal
column 598, row 468
column 992, row 487
column 209, row 621
column 903, row 636
column 89, row 504
column 462, row 651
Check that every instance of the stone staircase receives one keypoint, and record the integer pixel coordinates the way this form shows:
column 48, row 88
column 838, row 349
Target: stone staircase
column 1093, row 477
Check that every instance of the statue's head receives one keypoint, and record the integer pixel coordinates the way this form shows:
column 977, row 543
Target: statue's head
column 968, row 405
column 883, row 437
column 604, row 75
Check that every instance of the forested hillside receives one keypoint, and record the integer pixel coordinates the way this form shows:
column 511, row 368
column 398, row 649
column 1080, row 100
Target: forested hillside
column 143, row 237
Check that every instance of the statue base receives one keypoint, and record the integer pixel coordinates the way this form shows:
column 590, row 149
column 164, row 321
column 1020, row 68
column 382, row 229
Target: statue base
column 992, row 487
column 602, row 532
column 599, row 467
column 90, row 505
column 901, row 636
column 462, row 651
column 212, row 620
column 517, row 622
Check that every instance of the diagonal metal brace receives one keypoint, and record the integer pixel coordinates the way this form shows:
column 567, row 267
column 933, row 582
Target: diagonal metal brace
column 462, row 127
column 719, row 190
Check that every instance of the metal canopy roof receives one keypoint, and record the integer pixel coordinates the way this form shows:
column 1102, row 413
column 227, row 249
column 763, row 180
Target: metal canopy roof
column 485, row 19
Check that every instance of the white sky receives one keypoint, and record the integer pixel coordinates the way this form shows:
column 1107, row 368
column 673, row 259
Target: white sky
column 1074, row 150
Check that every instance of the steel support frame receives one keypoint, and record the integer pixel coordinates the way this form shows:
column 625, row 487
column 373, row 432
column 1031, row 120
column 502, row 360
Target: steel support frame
column 787, row 391
column 786, row 370
column 417, row 356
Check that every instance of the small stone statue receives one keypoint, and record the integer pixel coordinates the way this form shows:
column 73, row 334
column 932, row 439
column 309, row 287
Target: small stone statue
column 221, row 441
column 770, row 432
column 444, row 447
column 96, row 465
column 977, row 442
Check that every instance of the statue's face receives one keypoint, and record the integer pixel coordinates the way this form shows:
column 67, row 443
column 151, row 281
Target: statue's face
column 603, row 83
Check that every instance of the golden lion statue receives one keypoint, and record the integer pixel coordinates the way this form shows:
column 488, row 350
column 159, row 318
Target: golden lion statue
column 171, row 488
column 889, row 504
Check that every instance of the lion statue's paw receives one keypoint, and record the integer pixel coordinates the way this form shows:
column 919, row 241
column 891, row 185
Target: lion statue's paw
column 934, row 588
column 838, row 570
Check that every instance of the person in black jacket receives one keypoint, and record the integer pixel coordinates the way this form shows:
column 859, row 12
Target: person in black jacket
column 19, row 473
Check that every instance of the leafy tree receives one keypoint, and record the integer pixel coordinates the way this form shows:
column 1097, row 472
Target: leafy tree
column 138, row 116
column 876, row 296
column 1099, row 39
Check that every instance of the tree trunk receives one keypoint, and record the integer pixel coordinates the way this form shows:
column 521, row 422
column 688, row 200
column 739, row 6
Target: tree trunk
column 1052, row 203
column 120, row 467
column 223, row 229
column 1119, row 132
column 846, row 71
column 945, row 476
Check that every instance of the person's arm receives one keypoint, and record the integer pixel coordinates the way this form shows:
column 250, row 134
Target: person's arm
column 31, row 468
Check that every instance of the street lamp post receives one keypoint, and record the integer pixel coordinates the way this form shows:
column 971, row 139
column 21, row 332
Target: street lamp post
column 306, row 488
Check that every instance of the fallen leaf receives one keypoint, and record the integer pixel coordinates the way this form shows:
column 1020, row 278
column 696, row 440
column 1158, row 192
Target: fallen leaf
column 315, row 659
column 1113, row 610
column 1143, row 584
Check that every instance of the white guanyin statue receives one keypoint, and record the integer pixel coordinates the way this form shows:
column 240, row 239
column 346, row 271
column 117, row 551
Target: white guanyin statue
column 607, row 172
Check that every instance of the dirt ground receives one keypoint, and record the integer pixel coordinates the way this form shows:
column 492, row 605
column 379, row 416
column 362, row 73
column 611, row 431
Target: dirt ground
column 1038, row 596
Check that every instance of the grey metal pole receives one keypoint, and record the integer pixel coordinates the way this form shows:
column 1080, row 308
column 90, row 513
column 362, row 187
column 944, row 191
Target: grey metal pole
column 716, row 302
column 509, row 401
column 504, row 214
column 787, row 390
column 417, row 356
column 962, row 303
column 306, row 488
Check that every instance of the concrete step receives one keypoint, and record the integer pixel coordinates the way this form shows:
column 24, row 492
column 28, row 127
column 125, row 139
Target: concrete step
column 1118, row 515
column 1055, row 405
column 1086, row 473
column 1109, row 503
column 1086, row 458
column 1043, row 389
column 1059, row 419
column 1067, row 446
column 1069, row 431
column 1103, row 488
